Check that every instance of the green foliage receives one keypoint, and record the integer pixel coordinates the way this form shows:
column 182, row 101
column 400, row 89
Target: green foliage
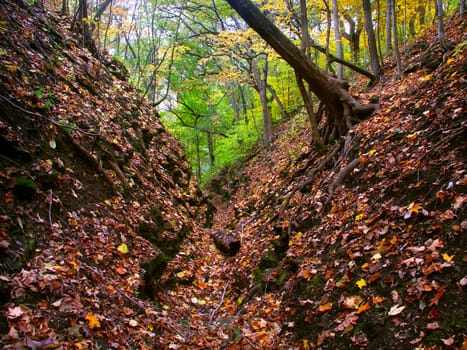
column 191, row 58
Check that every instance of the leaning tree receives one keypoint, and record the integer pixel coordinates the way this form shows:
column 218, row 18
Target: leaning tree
column 343, row 109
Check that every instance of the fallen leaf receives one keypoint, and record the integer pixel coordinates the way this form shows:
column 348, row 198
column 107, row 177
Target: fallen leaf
column 447, row 257
column 363, row 308
column 433, row 325
column 396, row 310
column 93, row 320
column 352, row 302
column 448, row 341
column 361, row 283
column 325, row 307
column 435, row 299
column 15, row 312
column 123, row 248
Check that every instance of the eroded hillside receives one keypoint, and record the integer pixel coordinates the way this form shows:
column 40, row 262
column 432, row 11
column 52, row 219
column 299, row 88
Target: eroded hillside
column 363, row 247
column 93, row 189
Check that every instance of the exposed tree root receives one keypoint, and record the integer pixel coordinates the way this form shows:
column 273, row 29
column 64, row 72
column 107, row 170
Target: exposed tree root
column 84, row 153
column 340, row 177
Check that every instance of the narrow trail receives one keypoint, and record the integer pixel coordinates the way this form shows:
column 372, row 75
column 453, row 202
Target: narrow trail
column 207, row 304
column 211, row 299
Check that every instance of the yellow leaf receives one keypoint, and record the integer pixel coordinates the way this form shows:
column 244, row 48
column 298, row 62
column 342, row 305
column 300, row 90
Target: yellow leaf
column 447, row 257
column 11, row 68
column 181, row 274
column 361, row 283
column 371, row 152
column 123, row 248
column 359, row 216
column 239, row 300
column 427, row 77
column 93, row 320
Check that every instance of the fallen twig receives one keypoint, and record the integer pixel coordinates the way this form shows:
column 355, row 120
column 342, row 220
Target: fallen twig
column 50, row 209
column 220, row 303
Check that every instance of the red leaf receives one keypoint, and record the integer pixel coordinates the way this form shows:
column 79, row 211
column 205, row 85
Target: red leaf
column 435, row 299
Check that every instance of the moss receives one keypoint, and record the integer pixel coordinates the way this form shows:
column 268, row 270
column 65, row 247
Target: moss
column 24, row 188
column 314, row 285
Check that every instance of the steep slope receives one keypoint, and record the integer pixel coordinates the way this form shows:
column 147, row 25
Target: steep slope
column 95, row 195
column 363, row 247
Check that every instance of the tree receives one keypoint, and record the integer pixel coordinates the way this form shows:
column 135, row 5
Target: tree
column 337, row 35
column 374, row 58
column 441, row 32
column 353, row 35
column 397, row 55
column 343, row 108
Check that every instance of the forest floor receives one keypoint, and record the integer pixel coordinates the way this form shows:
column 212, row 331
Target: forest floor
column 371, row 259
column 360, row 248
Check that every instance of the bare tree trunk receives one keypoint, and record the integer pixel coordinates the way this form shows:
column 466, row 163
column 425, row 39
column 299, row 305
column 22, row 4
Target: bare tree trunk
column 65, row 8
column 389, row 9
column 276, row 98
column 337, row 36
column 441, row 32
column 397, row 54
column 212, row 158
column 374, row 59
column 328, row 36
column 261, row 83
column 234, row 103
column 353, row 36
column 307, row 101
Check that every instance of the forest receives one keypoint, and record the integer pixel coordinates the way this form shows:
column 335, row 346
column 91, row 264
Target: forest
column 220, row 88
column 233, row 174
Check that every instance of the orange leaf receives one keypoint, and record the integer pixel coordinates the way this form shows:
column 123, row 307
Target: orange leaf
column 325, row 307
column 374, row 277
column 93, row 320
column 120, row 270
column 363, row 308
column 378, row 300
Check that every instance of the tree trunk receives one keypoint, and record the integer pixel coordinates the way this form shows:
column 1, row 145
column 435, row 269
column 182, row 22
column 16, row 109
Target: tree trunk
column 337, row 36
column 306, row 96
column 212, row 158
column 441, row 32
column 397, row 54
column 261, row 83
column 353, row 36
column 276, row 98
column 374, row 59
column 389, row 9
column 234, row 103
column 341, row 104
